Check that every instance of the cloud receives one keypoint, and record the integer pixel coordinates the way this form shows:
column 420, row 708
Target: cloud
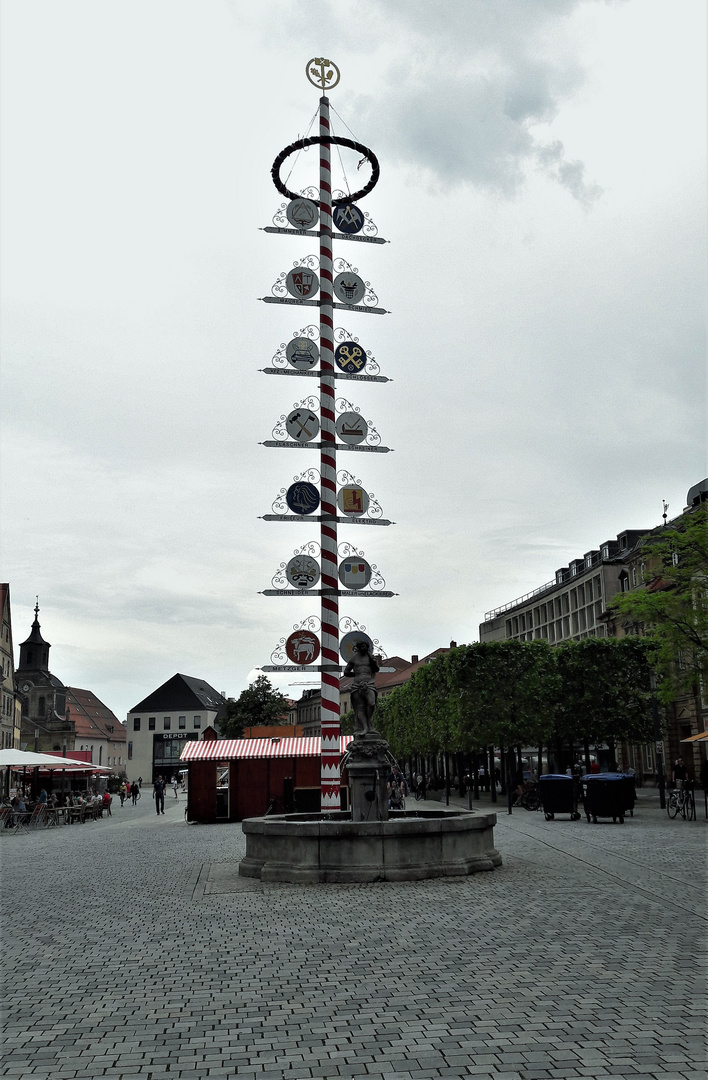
column 468, row 85
column 570, row 174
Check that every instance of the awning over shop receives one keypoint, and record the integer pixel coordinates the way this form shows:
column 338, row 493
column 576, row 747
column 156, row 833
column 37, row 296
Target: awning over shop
column 28, row 759
column 232, row 749
column 702, row 736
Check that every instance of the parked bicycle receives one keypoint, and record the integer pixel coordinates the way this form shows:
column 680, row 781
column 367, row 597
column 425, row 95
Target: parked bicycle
column 530, row 797
column 681, row 801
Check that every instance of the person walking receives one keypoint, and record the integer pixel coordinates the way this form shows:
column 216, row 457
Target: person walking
column 158, row 794
column 134, row 791
column 679, row 773
column 174, row 786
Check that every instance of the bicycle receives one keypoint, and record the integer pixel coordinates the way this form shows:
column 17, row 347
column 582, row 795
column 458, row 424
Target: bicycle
column 681, row 801
column 530, row 798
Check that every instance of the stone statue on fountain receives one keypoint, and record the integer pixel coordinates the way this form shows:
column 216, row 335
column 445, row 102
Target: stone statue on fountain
column 362, row 669
column 367, row 755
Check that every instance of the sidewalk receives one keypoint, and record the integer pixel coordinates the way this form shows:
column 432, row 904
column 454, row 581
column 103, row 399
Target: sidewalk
column 134, row 950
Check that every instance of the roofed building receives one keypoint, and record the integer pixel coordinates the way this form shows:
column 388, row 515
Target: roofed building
column 159, row 726
column 11, row 711
column 96, row 729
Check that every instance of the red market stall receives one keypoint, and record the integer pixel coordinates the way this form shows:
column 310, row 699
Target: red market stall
column 233, row 779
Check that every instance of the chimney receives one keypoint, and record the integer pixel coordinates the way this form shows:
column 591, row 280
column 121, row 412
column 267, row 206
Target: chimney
column 453, row 644
column 414, row 659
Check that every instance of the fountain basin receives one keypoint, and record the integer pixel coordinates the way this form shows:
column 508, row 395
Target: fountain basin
column 410, row 846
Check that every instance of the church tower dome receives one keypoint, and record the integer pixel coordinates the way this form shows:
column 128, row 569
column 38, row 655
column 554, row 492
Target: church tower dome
column 34, row 652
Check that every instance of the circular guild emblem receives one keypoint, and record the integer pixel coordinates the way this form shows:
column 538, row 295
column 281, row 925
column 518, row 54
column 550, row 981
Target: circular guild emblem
column 302, row 498
column 302, row 647
column 352, row 500
column 350, row 357
column 302, row 572
column 302, row 425
column 346, row 645
column 302, row 214
column 351, row 428
column 354, row 573
column 349, row 288
column 301, row 353
column 322, row 73
column 302, row 282
column 348, row 218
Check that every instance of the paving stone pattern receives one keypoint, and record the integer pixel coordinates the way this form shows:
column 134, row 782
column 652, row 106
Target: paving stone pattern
column 133, row 949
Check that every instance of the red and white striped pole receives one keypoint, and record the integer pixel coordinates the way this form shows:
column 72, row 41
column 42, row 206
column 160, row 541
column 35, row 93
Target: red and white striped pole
column 329, row 765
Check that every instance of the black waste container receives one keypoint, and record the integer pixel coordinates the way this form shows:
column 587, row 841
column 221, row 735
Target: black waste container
column 607, row 795
column 559, row 795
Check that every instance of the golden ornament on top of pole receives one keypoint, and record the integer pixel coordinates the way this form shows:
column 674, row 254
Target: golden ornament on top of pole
column 322, row 73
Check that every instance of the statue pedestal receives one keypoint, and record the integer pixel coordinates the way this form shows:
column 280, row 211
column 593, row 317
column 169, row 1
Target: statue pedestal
column 368, row 768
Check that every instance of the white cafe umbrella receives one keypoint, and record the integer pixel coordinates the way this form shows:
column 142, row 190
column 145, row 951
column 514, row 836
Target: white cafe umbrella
column 27, row 759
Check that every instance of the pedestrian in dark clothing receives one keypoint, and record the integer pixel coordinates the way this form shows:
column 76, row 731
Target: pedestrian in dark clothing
column 158, row 794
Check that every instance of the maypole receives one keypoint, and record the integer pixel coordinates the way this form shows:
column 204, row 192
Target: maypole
column 330, row 749
column 343, row 571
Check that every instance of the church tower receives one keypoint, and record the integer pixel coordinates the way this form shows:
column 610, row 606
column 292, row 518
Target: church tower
column 45, row 724
column 34, row 652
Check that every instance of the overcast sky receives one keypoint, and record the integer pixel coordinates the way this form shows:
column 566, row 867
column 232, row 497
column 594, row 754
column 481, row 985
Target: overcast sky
column 543, row 190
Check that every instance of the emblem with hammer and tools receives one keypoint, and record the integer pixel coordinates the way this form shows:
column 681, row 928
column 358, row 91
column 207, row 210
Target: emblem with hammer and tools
column 302, row 425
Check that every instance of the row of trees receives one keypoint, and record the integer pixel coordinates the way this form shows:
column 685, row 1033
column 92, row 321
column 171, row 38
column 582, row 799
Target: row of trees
column 512, row 693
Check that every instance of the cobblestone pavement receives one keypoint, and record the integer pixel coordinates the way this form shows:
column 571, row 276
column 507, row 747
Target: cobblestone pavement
column 132, row 949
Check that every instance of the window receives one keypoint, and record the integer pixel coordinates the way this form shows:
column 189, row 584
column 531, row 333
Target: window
column 130, row 751
column 136, row 723
column 634, row 575
column 197, row 721
column 182, row 721
column 41, row 706
column 151, row 723
column 606, row 552
column 167, row 723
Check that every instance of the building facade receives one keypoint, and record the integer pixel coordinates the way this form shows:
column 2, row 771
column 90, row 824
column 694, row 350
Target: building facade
column 688, row 714
column 11, row 710
column 159, row 726
column 96, row 729
column 574, row 605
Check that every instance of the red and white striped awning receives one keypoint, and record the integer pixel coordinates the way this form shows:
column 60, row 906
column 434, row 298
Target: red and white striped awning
column 229, row 749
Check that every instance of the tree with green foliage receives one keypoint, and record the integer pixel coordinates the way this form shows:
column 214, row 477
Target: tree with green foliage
column 604, row 691
column 506, row 692
column 671, row 609
column 259, row 705
column 474, row 695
